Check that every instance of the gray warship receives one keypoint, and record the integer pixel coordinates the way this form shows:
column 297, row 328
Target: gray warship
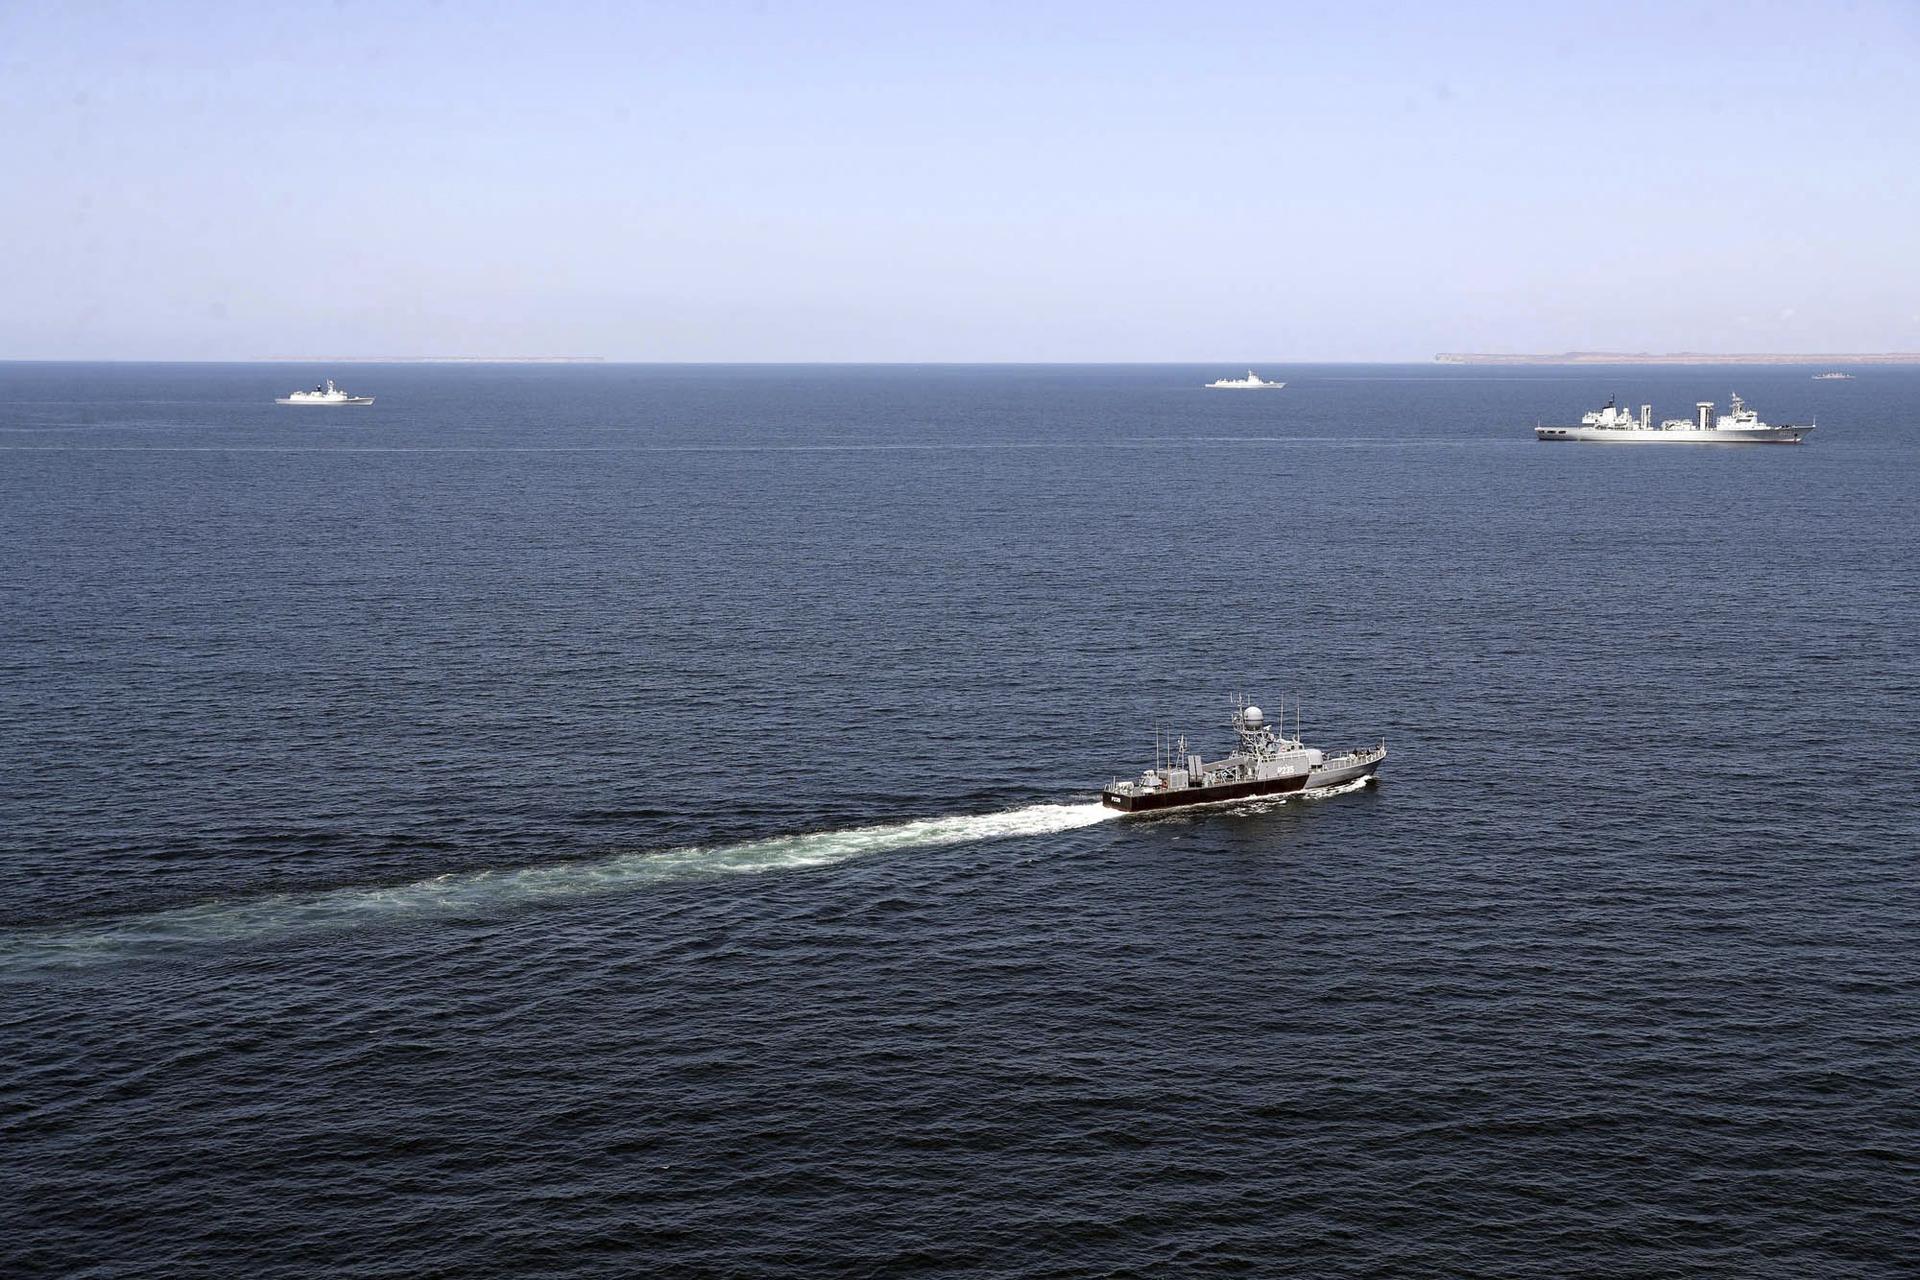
column 1264, row 764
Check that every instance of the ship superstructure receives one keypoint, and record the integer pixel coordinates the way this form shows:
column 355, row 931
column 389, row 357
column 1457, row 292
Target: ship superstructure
column 1262, row 763
column 1739, row 425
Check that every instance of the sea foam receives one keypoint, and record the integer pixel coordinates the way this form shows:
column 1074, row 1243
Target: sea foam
column 479, row 893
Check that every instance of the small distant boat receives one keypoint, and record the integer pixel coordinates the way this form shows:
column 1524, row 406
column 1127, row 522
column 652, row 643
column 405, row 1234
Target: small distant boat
column 325, row 393
column 1248, row 383
column 1833, row 377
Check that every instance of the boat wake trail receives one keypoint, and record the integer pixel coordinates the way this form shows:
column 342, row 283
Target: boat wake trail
column 482, row 893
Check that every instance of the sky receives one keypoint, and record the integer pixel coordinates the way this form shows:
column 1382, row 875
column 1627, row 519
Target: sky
column 956, row 182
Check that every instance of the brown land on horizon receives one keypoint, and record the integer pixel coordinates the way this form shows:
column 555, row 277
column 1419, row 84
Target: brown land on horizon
column 1676, row 357
column 428, row 360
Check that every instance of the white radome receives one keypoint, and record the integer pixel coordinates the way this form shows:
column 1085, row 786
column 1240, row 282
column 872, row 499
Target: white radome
column 1251, row 715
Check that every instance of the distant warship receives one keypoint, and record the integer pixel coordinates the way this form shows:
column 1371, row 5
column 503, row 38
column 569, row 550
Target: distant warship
column 325, row 393
column 1264, row 764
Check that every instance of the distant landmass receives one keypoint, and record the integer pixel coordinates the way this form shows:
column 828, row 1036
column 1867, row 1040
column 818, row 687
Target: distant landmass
column 1674, row 357
column 434, row 359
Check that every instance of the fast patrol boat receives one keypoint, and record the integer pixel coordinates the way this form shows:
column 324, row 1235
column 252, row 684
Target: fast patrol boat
column 1264, row 763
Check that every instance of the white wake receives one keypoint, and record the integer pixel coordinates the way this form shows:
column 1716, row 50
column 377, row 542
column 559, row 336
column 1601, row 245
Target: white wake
column 485, row 892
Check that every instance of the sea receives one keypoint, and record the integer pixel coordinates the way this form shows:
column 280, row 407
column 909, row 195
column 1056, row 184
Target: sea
column 627, row 820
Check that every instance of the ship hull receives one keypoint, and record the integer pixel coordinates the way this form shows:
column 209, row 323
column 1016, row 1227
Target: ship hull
column 328, row 404
column 1184, row 796
column 1345, row 773
column 1618, row 435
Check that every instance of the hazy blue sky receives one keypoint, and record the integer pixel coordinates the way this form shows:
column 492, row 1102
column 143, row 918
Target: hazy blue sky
column 907, row 181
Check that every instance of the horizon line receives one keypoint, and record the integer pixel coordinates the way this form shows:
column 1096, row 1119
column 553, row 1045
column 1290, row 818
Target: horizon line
column 1568, row 358
column 265, row 360
column 1676, row 357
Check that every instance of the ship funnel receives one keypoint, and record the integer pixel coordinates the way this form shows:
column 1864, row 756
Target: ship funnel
column 1646, row 417
column 1706, row 414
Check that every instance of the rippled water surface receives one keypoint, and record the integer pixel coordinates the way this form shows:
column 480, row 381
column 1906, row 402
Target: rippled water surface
column 613, row 821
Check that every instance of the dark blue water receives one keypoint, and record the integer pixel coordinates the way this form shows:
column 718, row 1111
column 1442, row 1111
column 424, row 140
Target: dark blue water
column 616, row 821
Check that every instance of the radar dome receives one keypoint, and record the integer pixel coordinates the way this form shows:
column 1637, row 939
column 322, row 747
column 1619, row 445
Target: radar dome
column 1251, row 715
